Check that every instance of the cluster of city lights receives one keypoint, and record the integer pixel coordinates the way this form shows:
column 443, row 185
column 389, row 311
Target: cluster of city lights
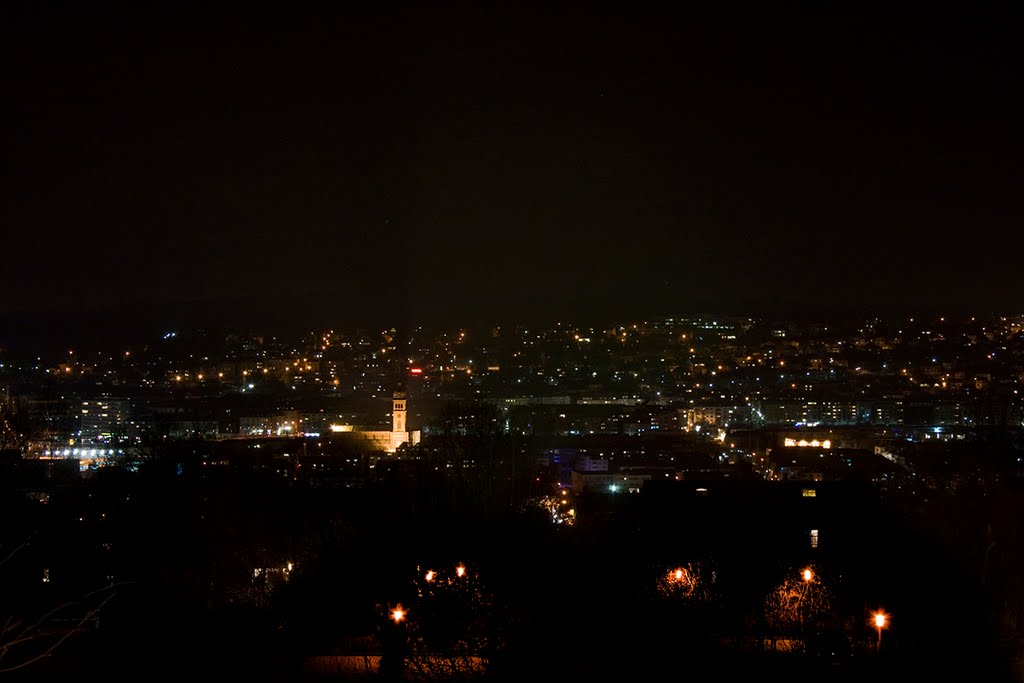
column 804, row 443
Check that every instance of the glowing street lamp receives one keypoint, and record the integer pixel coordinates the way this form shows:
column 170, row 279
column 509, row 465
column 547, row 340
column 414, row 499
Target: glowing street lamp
column 397, row 614
column 808, row 576
column 460, row 571
column 880, row 620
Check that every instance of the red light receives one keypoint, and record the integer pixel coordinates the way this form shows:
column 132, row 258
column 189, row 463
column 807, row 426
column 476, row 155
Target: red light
column 416, row 371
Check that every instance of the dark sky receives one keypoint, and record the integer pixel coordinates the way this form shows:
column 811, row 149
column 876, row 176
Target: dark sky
column 398, row 162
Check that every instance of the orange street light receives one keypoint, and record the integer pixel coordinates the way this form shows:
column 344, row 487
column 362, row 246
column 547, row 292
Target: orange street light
column 398, row 614
column 460, row 570
column 808, row 575
column 881, row 620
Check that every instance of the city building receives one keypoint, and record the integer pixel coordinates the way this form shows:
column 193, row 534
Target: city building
column 104, row 420
column 386, row 440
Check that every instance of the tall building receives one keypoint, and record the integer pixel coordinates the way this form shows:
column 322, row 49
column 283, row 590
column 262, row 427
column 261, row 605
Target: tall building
column 398, row 413
column 104, row 420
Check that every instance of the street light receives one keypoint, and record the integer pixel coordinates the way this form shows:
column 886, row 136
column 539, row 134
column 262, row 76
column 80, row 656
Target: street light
column 881, row 620
column 807, row 575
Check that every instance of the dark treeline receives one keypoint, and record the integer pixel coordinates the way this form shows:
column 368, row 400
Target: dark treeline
column 199, row 562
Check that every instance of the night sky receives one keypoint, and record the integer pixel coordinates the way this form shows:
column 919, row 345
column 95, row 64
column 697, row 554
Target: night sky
column 399, row 162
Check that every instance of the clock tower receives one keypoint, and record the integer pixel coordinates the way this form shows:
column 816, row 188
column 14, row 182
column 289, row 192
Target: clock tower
column 398, row 425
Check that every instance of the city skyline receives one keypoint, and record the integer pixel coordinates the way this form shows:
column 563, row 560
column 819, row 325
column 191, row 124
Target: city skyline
column 754, row 490
column 176, row 165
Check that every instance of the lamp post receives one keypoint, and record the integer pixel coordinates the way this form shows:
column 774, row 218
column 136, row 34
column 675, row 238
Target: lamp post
column 392, row 661
column 880, row 619
column 808, row 576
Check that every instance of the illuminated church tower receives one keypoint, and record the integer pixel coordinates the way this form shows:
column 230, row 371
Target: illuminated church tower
column 398, row 413
column 382, row 439
column 400, row 433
